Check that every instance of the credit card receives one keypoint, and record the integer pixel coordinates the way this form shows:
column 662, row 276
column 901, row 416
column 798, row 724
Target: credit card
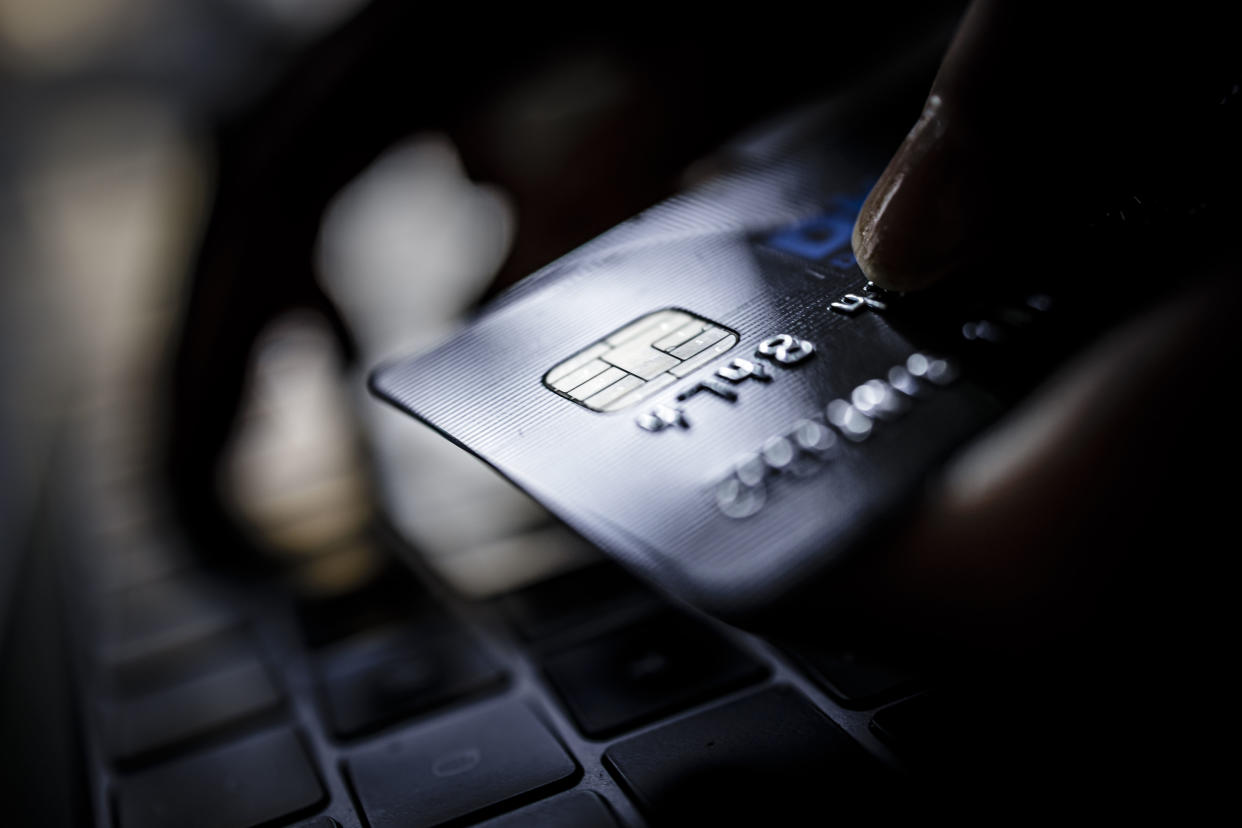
column 713, row 393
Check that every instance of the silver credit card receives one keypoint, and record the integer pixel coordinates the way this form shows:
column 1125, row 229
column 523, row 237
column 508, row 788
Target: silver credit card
column 713, row 394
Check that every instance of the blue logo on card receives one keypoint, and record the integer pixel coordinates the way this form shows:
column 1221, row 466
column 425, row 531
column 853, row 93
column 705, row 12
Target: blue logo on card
column 826, row 237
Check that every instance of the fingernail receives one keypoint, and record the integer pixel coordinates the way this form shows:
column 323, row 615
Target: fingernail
column 922, row 219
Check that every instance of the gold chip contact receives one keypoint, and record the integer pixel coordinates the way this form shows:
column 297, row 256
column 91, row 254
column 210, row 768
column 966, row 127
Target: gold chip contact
column 639, row 359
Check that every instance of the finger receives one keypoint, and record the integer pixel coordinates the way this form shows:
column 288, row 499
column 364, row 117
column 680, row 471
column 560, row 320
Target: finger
column 926, row 209
column 1037, row 122
column 1077, row 503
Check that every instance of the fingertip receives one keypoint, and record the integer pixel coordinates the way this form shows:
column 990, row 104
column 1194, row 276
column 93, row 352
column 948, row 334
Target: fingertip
column 872, row 262
column 892, row 249
column 918, row 220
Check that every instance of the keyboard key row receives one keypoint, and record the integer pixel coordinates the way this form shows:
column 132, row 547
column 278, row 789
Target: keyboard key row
column 617, row 657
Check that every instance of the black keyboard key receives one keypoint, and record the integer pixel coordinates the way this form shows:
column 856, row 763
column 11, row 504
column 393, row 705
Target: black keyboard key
column 954, row 732
column 767, row 756
column 581, row 809
column 659, row 665
column 374, row 680
column 148, row 672
column 993, row 746
column 589, row 600
column 459, row 766
column 959, row 726
column 391, row 595
column 916, row 723
column 263, row 778
column 856, row 677
column 159, row 616
column 136, row 729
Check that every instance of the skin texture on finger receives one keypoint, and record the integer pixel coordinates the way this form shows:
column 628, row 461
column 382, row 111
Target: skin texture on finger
column 920, row 219
column 1043, row 117
column 1032, row 125
column 913, row 229
column 1105, row 478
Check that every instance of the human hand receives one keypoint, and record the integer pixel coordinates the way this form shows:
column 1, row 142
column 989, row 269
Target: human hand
column 1040, row 120
column 1070, row 510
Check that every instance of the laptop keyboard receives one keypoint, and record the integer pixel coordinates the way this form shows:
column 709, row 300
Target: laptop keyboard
column 633, row 675
column 585, row 699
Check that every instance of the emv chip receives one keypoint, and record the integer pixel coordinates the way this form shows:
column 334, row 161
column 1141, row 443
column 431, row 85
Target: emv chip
column 639, row 359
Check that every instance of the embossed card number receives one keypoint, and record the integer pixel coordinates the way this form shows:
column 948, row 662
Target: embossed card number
column 783, row 349
column 809, row 444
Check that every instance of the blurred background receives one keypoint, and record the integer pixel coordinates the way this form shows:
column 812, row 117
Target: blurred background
column 220, row 213
column 110, row 159
column 217, row 215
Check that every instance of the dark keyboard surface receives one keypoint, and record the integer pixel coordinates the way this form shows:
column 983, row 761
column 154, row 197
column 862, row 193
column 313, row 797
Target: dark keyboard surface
column 166, row 718
column 768, row 754
column 372, row 680
column 455, row 767
column 258, row 779
column 634, row 674
column 583, row 700
column 573, row 810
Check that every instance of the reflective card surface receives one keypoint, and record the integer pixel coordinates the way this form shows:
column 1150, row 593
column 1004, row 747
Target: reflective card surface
column 713, row 393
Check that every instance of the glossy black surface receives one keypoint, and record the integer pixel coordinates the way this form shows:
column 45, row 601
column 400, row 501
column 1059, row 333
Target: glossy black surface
column 770, row 755
column 135, row 729
column 373, row 680
column 762, row 250
column 457, row 767
column 259, row 779
column 658, row 665
column 573, row 810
